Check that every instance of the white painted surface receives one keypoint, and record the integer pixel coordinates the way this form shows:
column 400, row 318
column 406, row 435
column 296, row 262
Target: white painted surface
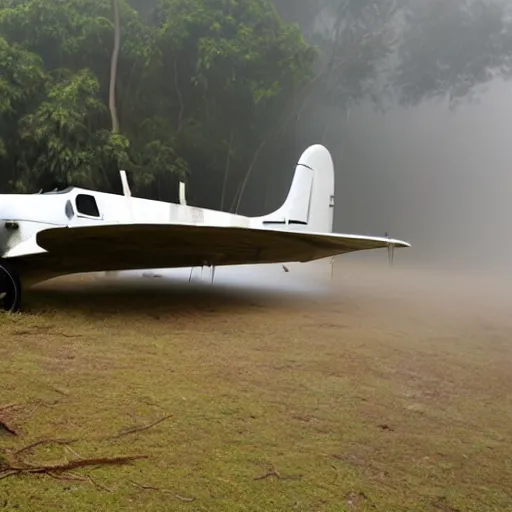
column 309, row 203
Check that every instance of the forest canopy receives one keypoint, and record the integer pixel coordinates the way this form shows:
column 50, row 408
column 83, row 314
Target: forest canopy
column 198, row 82
column 215, row 92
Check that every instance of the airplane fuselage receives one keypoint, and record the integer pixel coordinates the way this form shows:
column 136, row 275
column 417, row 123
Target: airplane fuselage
column 75, row 207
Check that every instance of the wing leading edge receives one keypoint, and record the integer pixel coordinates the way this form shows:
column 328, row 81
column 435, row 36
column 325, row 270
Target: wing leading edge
column 137, row 246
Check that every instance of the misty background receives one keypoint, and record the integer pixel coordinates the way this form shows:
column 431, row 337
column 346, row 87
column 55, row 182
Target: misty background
column 435, row 169
column 442, row 180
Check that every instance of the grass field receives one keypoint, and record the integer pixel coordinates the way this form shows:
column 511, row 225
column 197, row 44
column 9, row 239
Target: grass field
column 392, row 393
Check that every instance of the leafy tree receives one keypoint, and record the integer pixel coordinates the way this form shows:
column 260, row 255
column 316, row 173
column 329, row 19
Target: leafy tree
column 221, row 93
column 57, row 140
column 233, row 68
column 21, row 79
column 198, row 84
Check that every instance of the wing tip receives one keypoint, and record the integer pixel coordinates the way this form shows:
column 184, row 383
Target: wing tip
column 398, row 243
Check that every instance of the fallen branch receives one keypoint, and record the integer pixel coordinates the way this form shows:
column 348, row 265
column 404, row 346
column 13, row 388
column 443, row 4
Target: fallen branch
column 278, row 475
column 8, row 471
column 60, row 391
column 138, row 429
column 167, row 491
column 97, row 485
column 182, row 498
column 269, row 474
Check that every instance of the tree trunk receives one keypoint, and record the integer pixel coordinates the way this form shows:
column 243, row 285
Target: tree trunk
column 113, row 68
column 249, row 171
column 112, row 89
column 226, row 170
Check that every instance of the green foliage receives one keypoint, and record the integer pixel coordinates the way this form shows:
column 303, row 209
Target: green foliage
column 209, row 90
column 191, row 72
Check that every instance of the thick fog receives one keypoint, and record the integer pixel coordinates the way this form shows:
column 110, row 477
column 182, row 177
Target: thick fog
column 437, row 177
column 440, row 179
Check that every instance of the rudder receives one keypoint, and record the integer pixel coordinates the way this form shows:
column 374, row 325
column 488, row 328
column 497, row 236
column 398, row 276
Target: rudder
column 309, row 204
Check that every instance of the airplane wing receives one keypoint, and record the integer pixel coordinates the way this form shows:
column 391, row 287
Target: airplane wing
column 137, row 246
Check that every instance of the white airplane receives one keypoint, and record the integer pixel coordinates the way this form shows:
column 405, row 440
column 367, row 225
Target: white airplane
column 47, row 235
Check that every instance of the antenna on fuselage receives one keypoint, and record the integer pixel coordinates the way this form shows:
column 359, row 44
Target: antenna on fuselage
column 182, row 197
column 126, row 186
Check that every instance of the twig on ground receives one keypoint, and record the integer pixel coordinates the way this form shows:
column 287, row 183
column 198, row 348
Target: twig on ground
column 8, row 406
column 4, row 426
column 61, row 391
column 44, row 441
column 97, row 485
column 278, row 475
column 167, row 491
column 182, row 498
column 7, row 471
column 77, row 455
column 69, row 477
column 138, row 429
column 268, row 474
column 33, row 411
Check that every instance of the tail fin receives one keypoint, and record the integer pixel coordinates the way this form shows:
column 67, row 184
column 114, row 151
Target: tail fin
column 310, row 201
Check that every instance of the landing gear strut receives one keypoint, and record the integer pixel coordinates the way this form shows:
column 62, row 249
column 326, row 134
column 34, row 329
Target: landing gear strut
column 10, row 288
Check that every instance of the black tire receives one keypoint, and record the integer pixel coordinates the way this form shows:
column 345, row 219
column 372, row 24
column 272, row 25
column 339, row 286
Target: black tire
column 10, row 288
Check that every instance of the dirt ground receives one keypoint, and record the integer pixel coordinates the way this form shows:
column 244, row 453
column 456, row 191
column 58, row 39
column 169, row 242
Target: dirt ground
column 391, row 391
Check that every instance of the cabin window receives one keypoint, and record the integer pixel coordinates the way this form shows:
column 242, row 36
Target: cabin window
column 69, row 210
column 86, row 205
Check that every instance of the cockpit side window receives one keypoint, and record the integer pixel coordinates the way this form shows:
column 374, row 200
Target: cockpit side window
column 86, row 205
column 69, row 210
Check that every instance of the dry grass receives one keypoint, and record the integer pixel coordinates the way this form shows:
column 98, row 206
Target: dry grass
column 392, row 395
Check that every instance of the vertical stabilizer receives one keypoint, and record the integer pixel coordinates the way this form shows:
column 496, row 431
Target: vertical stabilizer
column 310, row 201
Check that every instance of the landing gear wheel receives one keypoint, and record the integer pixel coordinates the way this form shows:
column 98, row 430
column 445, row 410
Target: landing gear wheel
column 10, row 288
